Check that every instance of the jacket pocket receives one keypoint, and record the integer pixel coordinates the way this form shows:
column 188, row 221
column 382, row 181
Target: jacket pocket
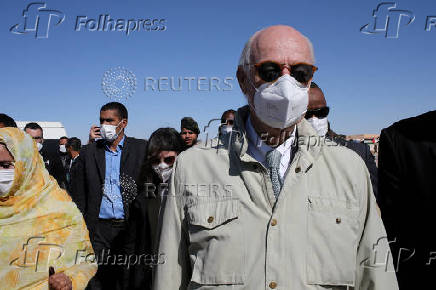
column 332, row 236
column 216, row 242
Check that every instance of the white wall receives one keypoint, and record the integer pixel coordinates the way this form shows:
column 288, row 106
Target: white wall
column 52, row 130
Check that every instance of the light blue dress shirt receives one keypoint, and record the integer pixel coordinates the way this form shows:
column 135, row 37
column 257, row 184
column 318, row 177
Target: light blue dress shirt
column 112, row 202
column 258, row 149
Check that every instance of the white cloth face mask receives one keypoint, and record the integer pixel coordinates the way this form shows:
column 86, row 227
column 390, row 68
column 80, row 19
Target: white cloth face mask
column 282, row 103
column 6, row 180
column 39, row 146
column 163, row 170
column 63, row 148
column 109, row 132
column 319, row 124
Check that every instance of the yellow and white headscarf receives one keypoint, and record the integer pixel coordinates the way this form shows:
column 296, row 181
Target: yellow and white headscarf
column 40, row 226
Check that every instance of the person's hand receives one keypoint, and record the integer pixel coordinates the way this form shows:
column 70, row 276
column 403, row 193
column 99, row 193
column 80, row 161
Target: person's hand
column 94, row 133
column 58, row 281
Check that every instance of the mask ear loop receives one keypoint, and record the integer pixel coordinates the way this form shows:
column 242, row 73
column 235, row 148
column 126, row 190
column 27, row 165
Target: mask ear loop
column 120, row 129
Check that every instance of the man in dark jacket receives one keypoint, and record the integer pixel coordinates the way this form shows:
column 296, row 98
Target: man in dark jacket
column 73, row 147
column 49, row 154
column 104, row 186
column 317, row 115
column 407, row 196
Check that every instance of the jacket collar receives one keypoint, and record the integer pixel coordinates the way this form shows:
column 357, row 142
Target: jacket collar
column 308, row 142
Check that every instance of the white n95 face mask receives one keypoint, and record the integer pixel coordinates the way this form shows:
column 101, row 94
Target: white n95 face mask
column 226, row 129
column 282, row 103
column 320, row 125
column 109, row 132
column 163, row 170
column 62, row 149
column 6, row 180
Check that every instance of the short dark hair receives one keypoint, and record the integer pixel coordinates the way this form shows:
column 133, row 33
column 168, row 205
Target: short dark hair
column 7, row 121
column 33, row 126
column 314, row 85
column 225, row 113
column 63, row 137
column 120, row 108
column 189, row 124
column 74, row 143
column 165, row 139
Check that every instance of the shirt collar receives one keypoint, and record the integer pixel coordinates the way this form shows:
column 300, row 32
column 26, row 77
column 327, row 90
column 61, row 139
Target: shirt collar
column 256, row 143
column 119, row 147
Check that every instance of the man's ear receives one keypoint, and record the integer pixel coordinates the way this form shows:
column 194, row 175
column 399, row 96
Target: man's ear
column 246, row 87
column 124, row 122
column 242, row 79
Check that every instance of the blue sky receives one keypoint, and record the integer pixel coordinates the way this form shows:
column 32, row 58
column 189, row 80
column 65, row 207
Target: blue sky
column 369, row 81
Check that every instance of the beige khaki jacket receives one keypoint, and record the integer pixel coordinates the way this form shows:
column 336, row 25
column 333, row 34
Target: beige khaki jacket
column 222, row 229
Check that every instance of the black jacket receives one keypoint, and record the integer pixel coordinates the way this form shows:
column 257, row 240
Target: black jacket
column 71, row 173
column 89, row 176
column 142, row 233
column 407, row 197
column 53, row 164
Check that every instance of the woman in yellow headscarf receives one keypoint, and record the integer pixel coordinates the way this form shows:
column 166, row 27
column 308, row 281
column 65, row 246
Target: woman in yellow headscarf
column 40, row 227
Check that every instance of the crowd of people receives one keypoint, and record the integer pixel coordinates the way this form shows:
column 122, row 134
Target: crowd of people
column 278, row 201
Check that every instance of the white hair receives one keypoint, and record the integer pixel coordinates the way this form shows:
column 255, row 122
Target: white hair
column 246, row 56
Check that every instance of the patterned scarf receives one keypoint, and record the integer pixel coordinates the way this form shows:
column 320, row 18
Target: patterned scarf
column 39, row 224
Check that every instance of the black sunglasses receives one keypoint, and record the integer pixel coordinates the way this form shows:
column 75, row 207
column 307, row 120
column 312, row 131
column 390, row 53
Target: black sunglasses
column 227, row 122
column 270, row 71
column 319, row 113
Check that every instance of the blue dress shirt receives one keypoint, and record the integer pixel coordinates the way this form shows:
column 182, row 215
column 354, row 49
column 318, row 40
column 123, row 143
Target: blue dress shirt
column 112, row 202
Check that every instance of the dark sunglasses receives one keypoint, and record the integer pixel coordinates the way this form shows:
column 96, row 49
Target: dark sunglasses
column 270, row 71
column 319, row 113
column 228, row 122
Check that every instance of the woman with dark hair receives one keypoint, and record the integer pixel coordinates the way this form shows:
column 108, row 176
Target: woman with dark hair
column 162, row 149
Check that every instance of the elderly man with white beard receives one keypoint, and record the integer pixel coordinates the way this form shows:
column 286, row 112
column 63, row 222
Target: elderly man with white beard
column 272, row 211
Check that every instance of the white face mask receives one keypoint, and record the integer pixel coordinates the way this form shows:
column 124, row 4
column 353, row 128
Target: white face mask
column 282, row 103
column 109, row 132
column 226, row 129
column 319, row 124
column 163, row 170
column 6, row 181
column 39, row 146
column 62, row 149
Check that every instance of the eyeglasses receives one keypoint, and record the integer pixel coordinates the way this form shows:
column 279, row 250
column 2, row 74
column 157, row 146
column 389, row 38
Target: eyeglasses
column 270, row 71
column 319, row 113
column 168, row 160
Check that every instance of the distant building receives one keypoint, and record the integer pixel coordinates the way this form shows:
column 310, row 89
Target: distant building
column 52, row 130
